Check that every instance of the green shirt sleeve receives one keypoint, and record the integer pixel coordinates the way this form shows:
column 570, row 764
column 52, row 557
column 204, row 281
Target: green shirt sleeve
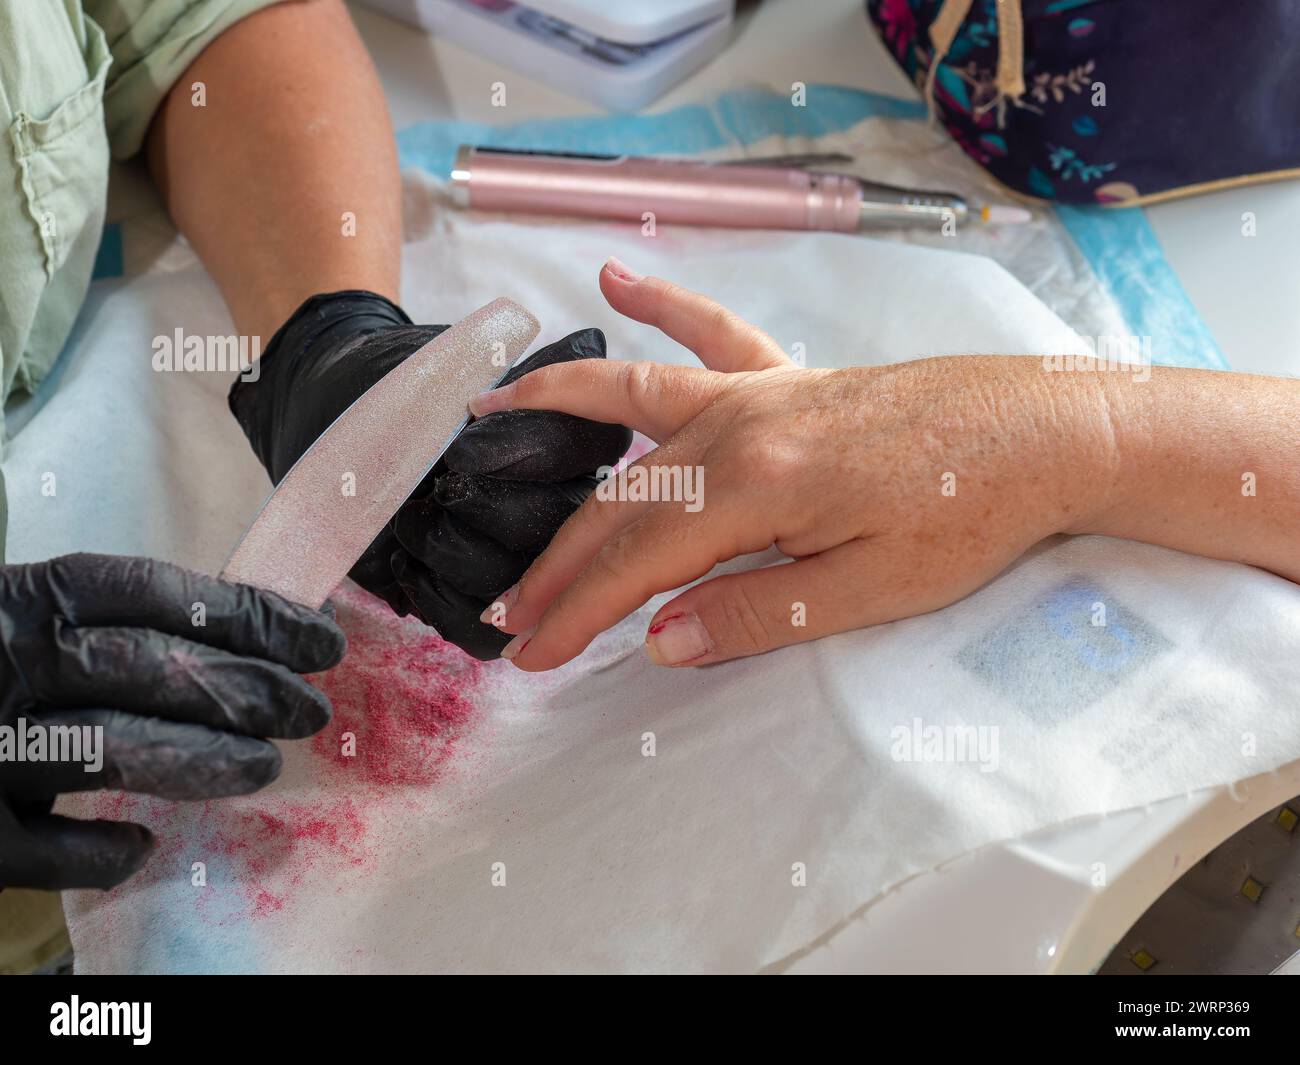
column 77, row 78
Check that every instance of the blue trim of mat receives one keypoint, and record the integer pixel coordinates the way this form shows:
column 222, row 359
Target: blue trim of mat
column 742, row 117
column 1125, row 254
column 1119, row 244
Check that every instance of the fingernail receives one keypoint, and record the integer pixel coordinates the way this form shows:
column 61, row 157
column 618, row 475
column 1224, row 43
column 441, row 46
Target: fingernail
column 517, row 644
column 500, row 607
column 622, row 271
column 677, row 639
column 490, row 402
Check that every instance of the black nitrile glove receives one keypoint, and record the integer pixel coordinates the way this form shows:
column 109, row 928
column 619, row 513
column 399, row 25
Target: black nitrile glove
column 114, row 642
column 485, row 511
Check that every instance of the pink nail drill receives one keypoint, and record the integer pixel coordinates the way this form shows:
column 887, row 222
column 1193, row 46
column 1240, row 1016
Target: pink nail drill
column 750, row 194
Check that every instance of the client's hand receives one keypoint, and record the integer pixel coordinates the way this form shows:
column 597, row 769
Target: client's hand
column 896, row 489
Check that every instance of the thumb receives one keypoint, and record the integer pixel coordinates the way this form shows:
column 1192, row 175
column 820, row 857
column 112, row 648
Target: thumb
column 722, row 340
column 742, row 614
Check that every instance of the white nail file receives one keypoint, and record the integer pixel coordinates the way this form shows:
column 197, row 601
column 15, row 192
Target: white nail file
column 343, row 489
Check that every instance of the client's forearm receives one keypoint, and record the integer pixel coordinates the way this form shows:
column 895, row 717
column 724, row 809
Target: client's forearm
column 286, row 180
column 1210, row 464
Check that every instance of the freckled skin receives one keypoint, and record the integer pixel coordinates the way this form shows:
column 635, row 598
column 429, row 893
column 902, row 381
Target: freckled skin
column 882, row 485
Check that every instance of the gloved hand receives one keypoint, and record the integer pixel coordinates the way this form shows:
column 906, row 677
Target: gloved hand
column 184, row 673
column 485, row 511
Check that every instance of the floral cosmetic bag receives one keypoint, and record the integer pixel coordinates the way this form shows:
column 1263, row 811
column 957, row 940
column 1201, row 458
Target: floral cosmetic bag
column 1108, row 101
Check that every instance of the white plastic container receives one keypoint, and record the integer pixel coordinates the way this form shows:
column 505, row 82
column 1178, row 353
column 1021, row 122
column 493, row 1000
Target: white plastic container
column 618, row 54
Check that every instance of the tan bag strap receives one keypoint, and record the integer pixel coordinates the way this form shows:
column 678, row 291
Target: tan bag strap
column 946, row 24
column 943, row 30
column 1011, row 50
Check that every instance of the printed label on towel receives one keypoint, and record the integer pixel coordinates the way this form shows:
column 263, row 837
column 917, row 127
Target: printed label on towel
column 1133, row 748
column 1063, row 650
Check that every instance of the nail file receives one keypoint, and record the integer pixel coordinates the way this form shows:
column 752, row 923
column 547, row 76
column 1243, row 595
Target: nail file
column 344, row 488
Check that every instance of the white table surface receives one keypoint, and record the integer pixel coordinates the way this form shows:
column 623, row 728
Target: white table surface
column 1246, row 288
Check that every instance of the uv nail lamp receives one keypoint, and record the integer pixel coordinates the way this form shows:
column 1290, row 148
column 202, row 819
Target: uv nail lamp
column 618, row 54
column 1197, row 884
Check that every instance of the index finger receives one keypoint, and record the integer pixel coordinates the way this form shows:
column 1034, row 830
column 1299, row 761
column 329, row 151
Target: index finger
column 651, row 397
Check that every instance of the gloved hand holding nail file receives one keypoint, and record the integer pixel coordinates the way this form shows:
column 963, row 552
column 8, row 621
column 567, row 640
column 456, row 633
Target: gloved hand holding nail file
column 132, row 674
column 369, row 403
